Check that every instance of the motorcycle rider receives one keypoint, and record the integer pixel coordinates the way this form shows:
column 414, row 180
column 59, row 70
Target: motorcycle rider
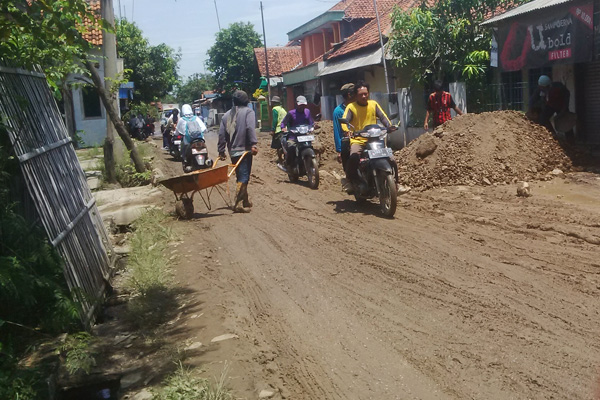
column 279, row 114
column 299, row 116
column 342, row 144
column 190, row 127
column 360, row 113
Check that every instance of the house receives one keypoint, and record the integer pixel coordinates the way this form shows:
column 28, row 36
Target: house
column 339, row 46
column 558, row 38
column 281, row 59
column 85, row 115
column 321, row 35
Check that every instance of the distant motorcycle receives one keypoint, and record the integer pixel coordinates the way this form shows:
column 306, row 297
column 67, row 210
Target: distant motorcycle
column 305, row 160
column 377, row 170
column 196, row 156
column 175, row 146
column 148, row 129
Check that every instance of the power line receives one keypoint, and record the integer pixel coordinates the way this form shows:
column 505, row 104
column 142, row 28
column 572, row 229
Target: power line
column 217, row 11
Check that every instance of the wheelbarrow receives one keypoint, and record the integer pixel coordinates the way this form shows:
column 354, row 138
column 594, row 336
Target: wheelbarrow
column 203, row 182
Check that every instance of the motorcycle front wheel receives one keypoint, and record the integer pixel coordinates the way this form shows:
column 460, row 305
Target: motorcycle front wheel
column 388, row 199
column 312, row 172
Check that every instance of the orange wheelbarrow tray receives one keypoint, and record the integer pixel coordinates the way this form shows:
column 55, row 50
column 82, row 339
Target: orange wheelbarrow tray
column 185, row 186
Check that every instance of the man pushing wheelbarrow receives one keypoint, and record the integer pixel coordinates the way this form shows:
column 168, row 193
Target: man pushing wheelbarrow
column 237, row 132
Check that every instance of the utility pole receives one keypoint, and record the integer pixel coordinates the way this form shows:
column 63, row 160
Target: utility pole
column 120, row 17
column 109, row 47
column 132, row 9
column 387, row 83
column 266, row 56
column 217, row 11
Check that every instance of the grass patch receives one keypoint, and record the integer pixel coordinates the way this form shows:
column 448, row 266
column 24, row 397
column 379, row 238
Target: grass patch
column 149, row 277
column 125, row 170
column 186, row 384
column 90, row 152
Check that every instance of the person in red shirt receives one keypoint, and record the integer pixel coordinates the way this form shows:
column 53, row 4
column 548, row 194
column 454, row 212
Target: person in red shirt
column 439, row 105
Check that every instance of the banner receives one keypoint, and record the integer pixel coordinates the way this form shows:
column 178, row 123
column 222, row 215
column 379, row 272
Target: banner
column 543, row 38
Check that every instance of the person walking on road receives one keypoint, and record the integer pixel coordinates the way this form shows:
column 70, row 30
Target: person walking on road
column 279, row 114
column 237, row 133
column 439, row 105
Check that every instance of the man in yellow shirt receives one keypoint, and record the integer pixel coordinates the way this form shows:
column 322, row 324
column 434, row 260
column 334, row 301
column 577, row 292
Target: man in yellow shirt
column 279, row 114
column 361, row 113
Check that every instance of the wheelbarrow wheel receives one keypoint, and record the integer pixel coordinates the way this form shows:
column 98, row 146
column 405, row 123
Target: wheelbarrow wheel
column 184, row 208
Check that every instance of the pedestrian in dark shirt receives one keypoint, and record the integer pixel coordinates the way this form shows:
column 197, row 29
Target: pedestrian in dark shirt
column 237, row 133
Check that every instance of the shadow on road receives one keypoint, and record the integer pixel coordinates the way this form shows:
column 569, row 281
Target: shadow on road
column 354, row 207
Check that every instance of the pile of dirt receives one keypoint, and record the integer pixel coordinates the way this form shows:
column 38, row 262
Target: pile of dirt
column 325, row 145
column 481, row 149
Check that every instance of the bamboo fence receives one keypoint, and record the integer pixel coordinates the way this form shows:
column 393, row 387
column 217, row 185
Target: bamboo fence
column 57, row 185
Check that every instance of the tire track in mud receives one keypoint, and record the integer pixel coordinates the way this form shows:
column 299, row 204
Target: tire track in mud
column 429, row 305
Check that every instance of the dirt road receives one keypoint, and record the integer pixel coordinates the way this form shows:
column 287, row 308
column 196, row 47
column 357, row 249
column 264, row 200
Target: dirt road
column 469, row 293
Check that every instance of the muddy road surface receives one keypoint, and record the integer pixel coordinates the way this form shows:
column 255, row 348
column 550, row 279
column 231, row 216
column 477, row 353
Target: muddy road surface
column 468, row 293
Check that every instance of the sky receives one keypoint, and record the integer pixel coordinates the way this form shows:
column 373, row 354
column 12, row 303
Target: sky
column 191, row 25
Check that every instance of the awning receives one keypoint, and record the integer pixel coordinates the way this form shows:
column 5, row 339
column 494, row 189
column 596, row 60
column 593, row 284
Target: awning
column 363, row 60
column 525, row 8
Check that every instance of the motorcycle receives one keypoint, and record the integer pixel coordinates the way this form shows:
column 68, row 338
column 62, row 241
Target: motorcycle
column 377, row 170
column 148, row 129
column 175, row 146
column 196, row 156
column 305, row 161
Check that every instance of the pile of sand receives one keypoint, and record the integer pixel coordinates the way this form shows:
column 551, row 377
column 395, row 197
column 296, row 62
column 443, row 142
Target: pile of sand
column 481, row 149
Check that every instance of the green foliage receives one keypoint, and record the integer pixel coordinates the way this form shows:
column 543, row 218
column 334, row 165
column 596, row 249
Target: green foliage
column 77, row 353
column 444, row 39
column 46, row 33
column 193, row 88
column 125, row 172
column 231, row 58
column 128, row 177
column 185, row 384
column 20, row 384
column 153, row 68
column 140, row 108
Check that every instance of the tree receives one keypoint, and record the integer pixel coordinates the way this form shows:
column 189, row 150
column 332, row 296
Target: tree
column 193, row 88
column 50, row 34
column 231, row 58
column 444, row 39
column 154, row 68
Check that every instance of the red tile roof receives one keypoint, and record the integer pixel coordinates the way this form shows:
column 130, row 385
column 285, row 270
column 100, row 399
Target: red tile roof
column 361, row 8
column 281, row 59
column 94, row 33
column 368, row 35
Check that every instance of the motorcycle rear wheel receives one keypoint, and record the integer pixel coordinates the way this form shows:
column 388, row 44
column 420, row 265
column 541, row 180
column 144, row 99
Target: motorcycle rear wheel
column 388, row 199
column 312, row 172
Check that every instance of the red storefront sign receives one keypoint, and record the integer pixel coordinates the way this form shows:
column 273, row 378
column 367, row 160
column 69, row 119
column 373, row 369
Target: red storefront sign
column 540, row 39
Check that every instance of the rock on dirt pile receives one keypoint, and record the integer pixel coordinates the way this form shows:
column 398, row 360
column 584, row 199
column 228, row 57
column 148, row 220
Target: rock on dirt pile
column 481, row 149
